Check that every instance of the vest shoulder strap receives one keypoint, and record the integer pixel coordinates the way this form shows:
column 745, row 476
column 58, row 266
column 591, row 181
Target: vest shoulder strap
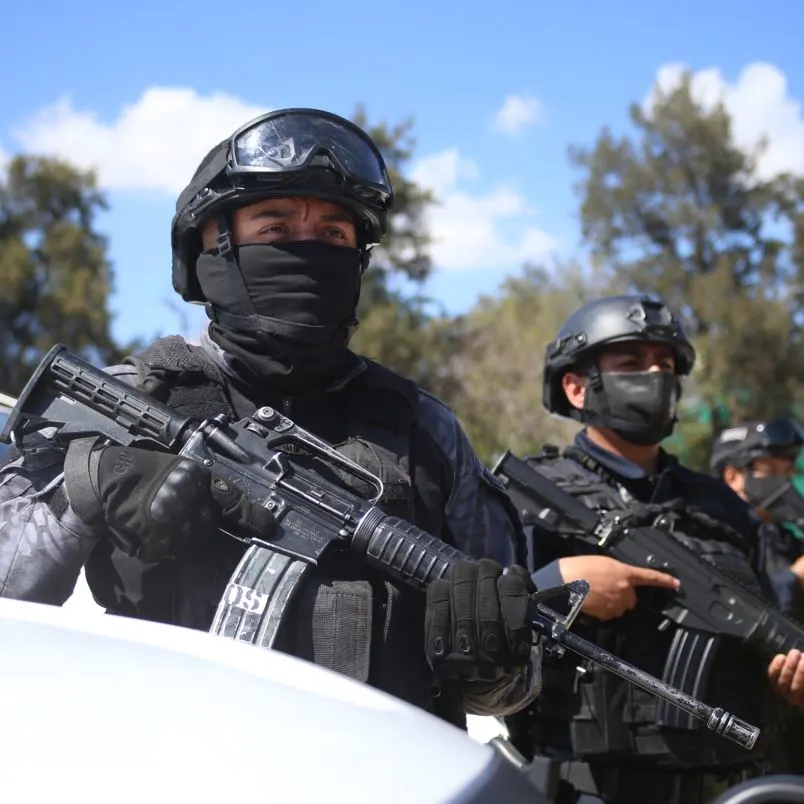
column 182, row 376
column 574, row 478
column 384, row 397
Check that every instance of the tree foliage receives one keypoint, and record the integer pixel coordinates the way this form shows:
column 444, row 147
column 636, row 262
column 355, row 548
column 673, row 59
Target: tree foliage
column 406, row 335
column 499, row 368
column 678, row 209
column 402, row 331
column 55, row 278
column 404, row 248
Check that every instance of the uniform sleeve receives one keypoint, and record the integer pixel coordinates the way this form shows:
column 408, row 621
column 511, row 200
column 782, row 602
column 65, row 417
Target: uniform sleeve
column 548, row 576
column 542, row 558
column 482, row 522
column 788, row 593
column 43, row 544
column 777, row 551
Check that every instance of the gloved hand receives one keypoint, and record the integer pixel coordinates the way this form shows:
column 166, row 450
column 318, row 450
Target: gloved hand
column 157, row 504
column 476, row 623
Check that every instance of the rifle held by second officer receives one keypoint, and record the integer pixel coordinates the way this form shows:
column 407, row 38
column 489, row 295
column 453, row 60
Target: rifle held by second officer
column 708, row 605
column 708, row 600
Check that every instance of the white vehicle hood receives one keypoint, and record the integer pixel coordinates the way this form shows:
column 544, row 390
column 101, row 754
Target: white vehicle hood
column 108, row 709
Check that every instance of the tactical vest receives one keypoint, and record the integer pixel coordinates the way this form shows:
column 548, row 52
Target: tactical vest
column 586, row 712
column 344, row 618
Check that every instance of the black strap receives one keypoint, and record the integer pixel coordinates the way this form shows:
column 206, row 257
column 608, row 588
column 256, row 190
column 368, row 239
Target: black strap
column 80, row 467
column 227, row 249
column 567, row 472
column 588, row 462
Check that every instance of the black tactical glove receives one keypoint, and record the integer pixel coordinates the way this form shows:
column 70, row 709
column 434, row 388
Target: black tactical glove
column 155, row 504
column 476, row 624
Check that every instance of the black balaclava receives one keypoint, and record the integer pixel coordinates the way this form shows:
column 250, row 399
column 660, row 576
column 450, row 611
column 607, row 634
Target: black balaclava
column 640, row 406
column 284, row 312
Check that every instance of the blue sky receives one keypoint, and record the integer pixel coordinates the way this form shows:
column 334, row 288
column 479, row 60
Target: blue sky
column 143, row 90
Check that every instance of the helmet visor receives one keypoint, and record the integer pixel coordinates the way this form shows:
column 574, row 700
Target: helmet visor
column 289, row 142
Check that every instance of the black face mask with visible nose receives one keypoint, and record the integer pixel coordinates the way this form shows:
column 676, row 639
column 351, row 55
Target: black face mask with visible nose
column 640, row 406
column 777, row 495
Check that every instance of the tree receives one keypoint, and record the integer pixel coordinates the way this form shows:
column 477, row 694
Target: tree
column 677, row 209
column 404, row 249
column 499, row 368
column 55, row 278
column 406, row 335
column 404, row 332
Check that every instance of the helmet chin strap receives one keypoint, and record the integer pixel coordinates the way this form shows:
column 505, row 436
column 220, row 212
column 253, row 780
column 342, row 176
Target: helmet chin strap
column 227, row 250
column 585, row 367
column 593, row 382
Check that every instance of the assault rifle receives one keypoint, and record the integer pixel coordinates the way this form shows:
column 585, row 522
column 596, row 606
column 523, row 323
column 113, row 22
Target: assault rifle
column 314, row 515
column 708, row 604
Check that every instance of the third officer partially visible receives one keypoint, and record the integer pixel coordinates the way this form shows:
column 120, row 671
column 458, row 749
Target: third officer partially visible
column 757, row 461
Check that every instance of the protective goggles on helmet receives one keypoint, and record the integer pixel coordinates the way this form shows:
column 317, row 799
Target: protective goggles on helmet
column 293, row 140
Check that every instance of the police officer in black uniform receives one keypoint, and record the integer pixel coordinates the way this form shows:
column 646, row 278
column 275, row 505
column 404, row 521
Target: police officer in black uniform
column 756, row 460
column 273, row 235
column 616, row 366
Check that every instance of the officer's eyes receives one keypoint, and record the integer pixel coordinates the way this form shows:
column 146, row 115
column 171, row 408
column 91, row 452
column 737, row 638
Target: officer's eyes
column 283, row 231
column 277, row 229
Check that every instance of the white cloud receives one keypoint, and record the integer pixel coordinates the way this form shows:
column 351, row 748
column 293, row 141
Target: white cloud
column 759, row 104
column 442, row 171
column 467, row 228
column 155, row 143
column 516, row 114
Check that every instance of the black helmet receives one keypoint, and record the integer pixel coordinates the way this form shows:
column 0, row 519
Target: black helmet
column 605, row 321
column 283, row 153
column 740, row 446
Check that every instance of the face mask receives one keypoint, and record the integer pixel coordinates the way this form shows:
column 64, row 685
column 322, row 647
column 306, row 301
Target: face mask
column 776, row 495
column 305, row 291
column 291, row 310
column 639, row 406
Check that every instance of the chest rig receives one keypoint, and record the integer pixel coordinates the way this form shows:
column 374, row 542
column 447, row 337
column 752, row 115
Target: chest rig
column 585, row 712
column 342, row 617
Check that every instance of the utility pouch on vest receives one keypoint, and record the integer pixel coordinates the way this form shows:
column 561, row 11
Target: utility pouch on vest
column 598, row 727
